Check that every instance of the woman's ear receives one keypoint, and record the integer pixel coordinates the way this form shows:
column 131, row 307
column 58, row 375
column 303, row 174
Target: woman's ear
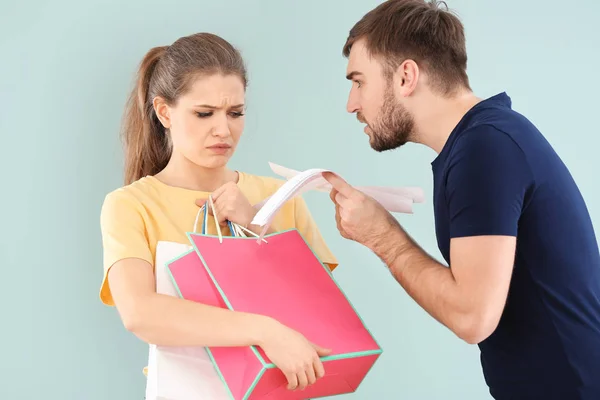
column 162, row 111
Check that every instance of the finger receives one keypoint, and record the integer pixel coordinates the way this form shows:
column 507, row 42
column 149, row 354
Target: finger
column 338, row 183
column 200, row 202
column 209, row 204
column 215, row 208
column 302, row 380
column 222, row 189
column 332, row 194
column 319, row 369
column 338, row 217
column 292, row 381
column 345, row 214
column 340, row 198
column 310, row 374
column 221, row 212
column 321, row 351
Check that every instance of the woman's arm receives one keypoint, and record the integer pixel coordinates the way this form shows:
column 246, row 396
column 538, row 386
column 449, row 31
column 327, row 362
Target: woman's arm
column 171, row 321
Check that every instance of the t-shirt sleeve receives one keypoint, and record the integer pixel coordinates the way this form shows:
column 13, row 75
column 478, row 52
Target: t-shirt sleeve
column 308, row 228
column 123, row 235
column 487, row 180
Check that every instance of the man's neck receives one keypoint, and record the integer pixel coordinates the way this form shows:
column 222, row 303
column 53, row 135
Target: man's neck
column 181, row 172
column 440, row 117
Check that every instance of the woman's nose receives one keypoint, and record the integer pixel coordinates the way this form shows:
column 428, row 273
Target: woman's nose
column 221, row 128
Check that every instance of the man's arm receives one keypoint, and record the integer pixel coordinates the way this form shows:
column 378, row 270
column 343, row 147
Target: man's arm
column 487, row 181
column 486, row 187
column 469, row 297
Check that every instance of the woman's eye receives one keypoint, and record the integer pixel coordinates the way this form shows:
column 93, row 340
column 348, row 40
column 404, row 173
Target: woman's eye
column 234, row 114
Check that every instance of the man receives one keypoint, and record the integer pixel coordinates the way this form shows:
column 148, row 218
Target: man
column 524, row 268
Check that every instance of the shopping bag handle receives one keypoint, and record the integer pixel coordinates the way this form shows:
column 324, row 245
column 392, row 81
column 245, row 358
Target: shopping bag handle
column 235, row 229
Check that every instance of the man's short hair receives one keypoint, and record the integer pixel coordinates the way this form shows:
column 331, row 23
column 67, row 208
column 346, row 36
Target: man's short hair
column 419, row 30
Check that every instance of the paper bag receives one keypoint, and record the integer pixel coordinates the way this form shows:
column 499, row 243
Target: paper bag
column 283, row 279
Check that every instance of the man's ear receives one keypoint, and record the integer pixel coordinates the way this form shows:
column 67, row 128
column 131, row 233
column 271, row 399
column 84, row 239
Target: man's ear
column 406, row 78
column 163, row 112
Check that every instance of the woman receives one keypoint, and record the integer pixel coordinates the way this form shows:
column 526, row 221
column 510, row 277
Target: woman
column 182, row 124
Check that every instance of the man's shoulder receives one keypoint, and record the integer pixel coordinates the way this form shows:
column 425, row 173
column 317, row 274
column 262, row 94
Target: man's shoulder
column 488, row 154
column 487, row 138
column 498, row 125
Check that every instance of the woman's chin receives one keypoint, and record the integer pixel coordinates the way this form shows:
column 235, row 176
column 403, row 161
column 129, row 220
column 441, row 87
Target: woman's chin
column 215, row 161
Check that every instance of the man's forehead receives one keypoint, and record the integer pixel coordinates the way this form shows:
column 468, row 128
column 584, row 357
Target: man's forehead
column 359, row 60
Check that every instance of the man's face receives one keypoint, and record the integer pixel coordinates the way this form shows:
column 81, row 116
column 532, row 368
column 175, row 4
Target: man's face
column 372, row 98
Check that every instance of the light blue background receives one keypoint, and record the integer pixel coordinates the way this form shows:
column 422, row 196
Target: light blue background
column 65, row 70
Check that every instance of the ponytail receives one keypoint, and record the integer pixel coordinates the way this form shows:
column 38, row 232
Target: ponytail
column 147, row 146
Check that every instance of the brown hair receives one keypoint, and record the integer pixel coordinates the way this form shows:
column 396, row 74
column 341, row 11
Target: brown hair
column 168, row 72
column 419, row 30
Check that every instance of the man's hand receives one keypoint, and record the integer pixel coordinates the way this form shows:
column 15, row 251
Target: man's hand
column 358, row 216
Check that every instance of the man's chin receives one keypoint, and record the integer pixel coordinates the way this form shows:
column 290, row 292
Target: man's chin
column 381, row 147
column 378, row 147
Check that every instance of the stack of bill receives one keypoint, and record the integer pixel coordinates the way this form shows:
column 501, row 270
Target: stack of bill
column 393, row 199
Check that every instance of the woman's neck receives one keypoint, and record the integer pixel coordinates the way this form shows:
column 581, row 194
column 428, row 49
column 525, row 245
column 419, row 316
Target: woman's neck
column 187, row 175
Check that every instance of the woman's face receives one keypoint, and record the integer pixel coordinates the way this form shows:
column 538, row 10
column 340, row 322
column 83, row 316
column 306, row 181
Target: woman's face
column 207, row 122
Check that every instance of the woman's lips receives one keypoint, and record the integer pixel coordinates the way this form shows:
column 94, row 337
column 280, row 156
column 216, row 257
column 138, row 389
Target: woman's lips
column 221, row 148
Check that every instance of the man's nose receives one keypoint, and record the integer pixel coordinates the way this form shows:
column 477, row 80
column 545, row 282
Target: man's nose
column 352, row 105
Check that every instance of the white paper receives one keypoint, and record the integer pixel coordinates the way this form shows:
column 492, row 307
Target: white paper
column 393, row 199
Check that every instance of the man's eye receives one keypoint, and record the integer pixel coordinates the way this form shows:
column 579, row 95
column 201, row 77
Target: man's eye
column 236, row 114
column 204, row 114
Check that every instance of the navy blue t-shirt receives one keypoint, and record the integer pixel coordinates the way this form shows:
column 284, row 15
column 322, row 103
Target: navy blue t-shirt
column 497, row 175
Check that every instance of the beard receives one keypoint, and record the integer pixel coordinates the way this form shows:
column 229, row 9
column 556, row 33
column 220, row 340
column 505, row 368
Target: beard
column 394, row 126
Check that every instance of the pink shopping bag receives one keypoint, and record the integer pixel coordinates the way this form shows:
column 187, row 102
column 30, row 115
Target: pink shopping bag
column 283, row 279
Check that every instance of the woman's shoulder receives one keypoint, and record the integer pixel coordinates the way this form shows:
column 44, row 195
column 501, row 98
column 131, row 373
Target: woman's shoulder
column 264, row 185
column 132, row 195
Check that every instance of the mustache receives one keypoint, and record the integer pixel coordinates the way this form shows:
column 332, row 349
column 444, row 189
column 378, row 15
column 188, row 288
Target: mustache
column 361, row 118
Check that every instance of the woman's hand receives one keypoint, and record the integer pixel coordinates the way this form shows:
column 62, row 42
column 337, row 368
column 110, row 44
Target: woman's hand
column 293, row 354
column 230, row 204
